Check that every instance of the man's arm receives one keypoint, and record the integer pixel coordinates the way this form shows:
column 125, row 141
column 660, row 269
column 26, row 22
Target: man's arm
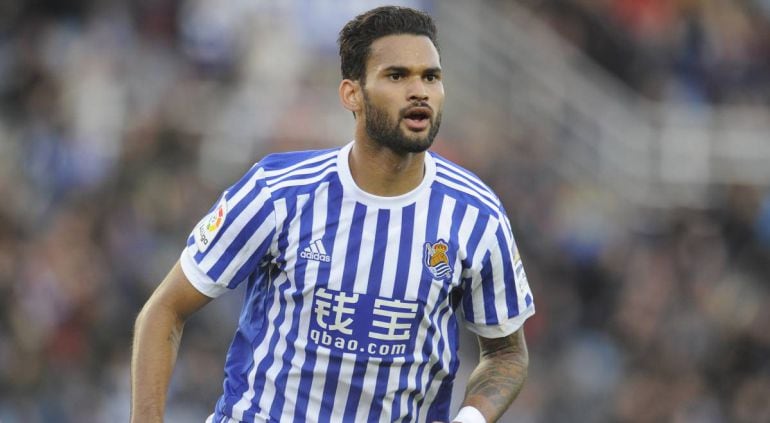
column 499, row 376
column 157, row 333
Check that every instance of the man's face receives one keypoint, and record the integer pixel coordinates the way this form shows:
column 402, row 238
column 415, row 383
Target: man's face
column 403, row 93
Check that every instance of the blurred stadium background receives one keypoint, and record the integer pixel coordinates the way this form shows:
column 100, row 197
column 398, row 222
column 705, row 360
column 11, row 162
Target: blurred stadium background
column 628, row 139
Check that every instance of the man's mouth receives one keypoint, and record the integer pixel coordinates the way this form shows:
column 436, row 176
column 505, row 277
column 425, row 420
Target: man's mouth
column 418, row 118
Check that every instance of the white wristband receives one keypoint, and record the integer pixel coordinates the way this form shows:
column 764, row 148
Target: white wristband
column 469, row 414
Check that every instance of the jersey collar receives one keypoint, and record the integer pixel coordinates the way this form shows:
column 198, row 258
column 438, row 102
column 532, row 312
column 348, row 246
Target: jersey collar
column 343, row 166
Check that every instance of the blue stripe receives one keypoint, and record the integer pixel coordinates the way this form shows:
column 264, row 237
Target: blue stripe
column 251, row 331
column 302, row 159
column 509, row 278
column 473, row 198
column 435, row 319
column 468, row 179
column 240, row 184
column 240, row 358
column 380, row 248
column 232, row 215
column 251, row 325
column 431, row 233
column 306, row 223
column 252, row 262
column 473, row 244
column 333, row 208
column 349, row 276
column 402, row 272
column 299, row 187
column 294, row 176
column 488, row 290
column 372, row 288
column 351, row 407
column 241, row 239
column 440, row 412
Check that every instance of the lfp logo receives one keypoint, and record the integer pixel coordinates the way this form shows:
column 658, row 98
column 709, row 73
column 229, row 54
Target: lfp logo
column 215, row 221
column 210, row 225
column 436, row 259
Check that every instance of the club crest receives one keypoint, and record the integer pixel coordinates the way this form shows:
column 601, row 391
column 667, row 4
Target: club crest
column 436, row 259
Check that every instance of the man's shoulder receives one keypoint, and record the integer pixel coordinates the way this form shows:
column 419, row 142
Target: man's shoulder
column 461, row 180
column 290, row 160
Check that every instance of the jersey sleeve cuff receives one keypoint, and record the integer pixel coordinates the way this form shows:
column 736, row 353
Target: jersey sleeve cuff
column 502, row 329
column 198, row 278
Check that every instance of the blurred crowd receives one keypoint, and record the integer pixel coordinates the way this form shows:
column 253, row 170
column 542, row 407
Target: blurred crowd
column 714, row 51
column 120, row 122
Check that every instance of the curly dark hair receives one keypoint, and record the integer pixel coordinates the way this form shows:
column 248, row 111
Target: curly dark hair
column 357, row 36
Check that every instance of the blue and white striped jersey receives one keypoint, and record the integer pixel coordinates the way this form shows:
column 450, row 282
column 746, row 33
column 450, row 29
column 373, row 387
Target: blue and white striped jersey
column 352, row 300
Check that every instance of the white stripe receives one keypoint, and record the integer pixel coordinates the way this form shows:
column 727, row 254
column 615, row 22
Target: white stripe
column 462, row 188
column 412, row 291
column 444, row 225
column 248, row 249
column 285, row 170
column 294, row 379
column 279, row 207
column 303, row 171
column 367, row 391
column 259, row 354
column 344, row 376
column 433, row 293
column 472, row 180
column 271, row 375
column 341, row 241
column 387, row 287
column 363, row 268
column 261, row 351
column 477, row 293
column 496, row 260
column 232, row 230
column 388, row 283
column 464, row 235
column 366, row 252
column 335, row 282
column 301, row 182
column 313, row 248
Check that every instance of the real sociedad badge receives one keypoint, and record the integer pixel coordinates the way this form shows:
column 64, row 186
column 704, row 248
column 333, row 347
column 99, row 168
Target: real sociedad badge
column 436, row 259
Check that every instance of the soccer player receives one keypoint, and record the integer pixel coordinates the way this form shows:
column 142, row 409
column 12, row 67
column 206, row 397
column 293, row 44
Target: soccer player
column 359, row 262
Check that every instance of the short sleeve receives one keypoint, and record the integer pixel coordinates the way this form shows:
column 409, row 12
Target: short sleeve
column 231, row 241
column 497, row 298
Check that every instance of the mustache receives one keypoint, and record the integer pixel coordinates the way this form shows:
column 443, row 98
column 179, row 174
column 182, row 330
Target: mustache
column 402, row 113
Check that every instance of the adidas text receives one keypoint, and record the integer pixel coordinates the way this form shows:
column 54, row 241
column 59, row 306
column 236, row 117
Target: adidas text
column 315, row 256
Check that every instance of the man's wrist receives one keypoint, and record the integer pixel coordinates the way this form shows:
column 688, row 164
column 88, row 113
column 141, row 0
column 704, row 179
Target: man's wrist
column 469, row 414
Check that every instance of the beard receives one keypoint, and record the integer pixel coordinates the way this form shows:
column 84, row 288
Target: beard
column 389, row 134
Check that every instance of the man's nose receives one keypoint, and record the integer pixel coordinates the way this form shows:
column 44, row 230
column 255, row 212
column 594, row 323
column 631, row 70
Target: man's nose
column 417, row 90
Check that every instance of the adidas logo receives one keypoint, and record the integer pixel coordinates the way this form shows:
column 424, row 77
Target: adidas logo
column 315, row 251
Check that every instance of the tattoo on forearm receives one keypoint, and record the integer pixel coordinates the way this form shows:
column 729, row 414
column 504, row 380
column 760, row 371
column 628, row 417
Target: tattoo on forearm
column 500, row 375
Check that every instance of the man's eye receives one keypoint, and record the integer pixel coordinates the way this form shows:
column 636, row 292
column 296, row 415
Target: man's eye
column 395, row 77
column 431, row 78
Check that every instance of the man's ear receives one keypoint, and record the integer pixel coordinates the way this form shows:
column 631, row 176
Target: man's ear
column 351, row 95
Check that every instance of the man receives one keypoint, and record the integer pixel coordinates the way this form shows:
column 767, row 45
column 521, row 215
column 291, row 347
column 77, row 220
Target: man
column 357, row 261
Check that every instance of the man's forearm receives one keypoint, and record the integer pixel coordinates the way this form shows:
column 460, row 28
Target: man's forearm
column 156, row 342
column 499, row 376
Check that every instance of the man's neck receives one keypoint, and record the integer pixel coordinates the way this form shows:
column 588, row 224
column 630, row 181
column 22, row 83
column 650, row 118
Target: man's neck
column 379, row 171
